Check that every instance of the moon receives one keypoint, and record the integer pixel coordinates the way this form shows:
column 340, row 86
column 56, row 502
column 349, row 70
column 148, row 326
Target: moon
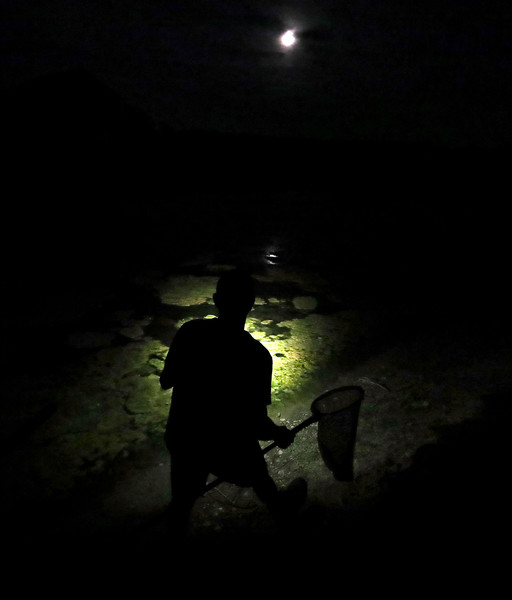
column 288, row 38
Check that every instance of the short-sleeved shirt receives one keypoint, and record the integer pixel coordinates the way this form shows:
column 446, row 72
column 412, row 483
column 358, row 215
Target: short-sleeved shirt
column 221, row 382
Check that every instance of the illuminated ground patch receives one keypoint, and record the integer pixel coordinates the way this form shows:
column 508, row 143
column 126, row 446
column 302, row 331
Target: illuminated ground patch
column 109, row 400
column 301, row 341
column 301, row 348
column 108, row 403
column 187, row 290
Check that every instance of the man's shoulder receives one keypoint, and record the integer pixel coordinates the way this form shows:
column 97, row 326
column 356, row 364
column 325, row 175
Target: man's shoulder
column 195, row 324
column 258, row 346
column 195, row 327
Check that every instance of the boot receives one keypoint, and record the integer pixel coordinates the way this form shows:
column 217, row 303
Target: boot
column 289, row 501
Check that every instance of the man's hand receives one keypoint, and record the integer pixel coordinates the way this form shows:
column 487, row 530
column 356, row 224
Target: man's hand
column 284, row 436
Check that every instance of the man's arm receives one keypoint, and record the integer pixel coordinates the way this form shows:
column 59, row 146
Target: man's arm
column 266, row 429
column 172, row 361
column 167, row 375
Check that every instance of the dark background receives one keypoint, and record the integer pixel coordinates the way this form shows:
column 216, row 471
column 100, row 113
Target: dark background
column 378, row 146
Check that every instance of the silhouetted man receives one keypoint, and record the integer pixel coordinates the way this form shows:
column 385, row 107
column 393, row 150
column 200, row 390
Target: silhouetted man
column 221, row 379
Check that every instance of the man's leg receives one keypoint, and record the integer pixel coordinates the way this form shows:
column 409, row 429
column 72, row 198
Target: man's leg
column 265, row 487
column 188, row 479
column 282, row 504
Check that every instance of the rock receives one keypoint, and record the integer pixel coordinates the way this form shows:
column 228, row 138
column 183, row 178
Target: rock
column 133, row 332
column 187, row 290
column 305, row 303
column 91, row 339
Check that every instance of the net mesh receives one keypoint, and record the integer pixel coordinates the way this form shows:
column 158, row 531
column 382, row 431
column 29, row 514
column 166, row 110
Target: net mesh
column 338, row 413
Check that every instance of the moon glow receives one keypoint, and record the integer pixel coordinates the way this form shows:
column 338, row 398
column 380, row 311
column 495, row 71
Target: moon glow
column 288, row 38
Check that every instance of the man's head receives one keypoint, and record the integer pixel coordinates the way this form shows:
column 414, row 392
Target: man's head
column 235, row 295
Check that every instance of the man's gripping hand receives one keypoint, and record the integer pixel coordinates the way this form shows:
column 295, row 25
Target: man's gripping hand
column 284, row 436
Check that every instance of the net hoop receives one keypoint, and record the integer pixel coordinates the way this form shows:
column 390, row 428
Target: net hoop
column 338, row 412
column 336, row 399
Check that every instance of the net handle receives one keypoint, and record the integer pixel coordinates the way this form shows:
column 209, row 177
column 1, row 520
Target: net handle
column 314, row 418
column 317, row 415
column 309, row 421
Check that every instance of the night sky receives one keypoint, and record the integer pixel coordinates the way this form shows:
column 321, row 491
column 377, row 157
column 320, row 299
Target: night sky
column 436, row 71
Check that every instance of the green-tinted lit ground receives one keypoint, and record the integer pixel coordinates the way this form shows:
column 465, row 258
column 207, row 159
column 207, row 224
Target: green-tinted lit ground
column 84, row 459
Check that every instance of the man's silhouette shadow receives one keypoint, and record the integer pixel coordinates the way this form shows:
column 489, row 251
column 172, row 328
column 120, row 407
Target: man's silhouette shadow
column 221, row 379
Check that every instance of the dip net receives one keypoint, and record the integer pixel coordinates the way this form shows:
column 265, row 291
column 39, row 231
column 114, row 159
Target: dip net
column 337, row 413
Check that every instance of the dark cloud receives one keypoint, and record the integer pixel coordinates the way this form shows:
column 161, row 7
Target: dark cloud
column 264, row 21
column 316, row 35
